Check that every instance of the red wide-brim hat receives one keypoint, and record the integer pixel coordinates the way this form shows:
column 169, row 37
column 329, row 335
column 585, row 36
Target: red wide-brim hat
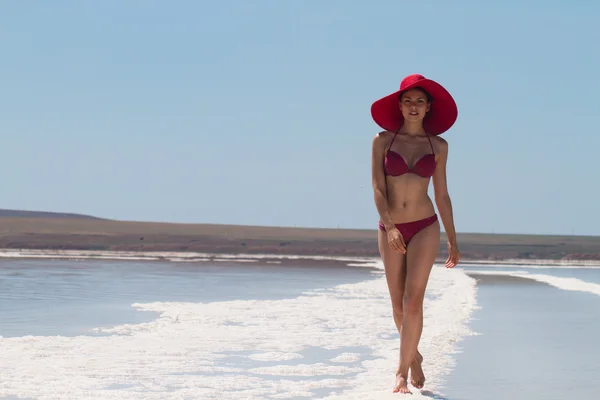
column 441, row 116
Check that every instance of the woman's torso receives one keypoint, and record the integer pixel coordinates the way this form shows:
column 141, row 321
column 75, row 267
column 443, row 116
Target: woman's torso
column 407, row 195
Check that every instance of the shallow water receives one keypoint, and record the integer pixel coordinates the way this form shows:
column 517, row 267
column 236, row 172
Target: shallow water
column 230, row 331
column 54, row 297
column 535, row 341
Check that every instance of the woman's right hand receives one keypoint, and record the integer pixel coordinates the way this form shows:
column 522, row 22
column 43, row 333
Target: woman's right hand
column 396, row 241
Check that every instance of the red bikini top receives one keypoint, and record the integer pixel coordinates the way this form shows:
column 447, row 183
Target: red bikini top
column 395, row 164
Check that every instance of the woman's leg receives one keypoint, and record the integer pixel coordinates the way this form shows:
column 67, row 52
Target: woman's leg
column 395, row 273
column 420, row 256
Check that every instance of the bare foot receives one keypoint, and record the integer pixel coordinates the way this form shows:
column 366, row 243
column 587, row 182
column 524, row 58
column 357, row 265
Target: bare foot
column 401, row 385
column 417, row 377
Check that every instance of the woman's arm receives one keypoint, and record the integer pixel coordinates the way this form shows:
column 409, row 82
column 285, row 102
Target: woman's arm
column 378, row 180
column 395, row 239
column 444, row 204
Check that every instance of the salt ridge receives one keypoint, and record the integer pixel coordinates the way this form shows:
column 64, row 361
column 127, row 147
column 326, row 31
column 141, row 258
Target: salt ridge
column 563, row 283
column 209, row 257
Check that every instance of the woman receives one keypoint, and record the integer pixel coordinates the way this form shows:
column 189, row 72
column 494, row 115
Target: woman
column 405, row 157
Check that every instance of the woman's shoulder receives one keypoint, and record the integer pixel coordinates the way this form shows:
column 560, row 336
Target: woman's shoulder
column 382, row 137
column 384, row 134
column 440, row 144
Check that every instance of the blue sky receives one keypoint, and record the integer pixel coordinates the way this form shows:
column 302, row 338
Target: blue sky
column 259, row 112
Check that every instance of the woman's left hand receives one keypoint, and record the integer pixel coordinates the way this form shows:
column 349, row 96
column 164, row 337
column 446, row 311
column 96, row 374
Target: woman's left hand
column 453, row 255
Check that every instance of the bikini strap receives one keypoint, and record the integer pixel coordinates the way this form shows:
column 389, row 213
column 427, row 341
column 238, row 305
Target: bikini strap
column 392, row 142
column 433, row 151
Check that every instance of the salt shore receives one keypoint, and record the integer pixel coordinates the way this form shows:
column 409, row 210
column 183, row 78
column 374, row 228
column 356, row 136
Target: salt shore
column 265, row 258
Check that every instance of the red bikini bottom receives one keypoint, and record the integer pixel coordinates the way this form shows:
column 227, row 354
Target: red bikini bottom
column 410, row 229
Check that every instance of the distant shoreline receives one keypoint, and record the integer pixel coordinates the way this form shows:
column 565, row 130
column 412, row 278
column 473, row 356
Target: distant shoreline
column 60, row 234
column 285, row 259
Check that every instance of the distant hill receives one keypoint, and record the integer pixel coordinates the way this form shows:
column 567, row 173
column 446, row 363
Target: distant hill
column 42, row 214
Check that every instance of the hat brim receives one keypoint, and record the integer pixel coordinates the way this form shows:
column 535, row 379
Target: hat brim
column 441, row 116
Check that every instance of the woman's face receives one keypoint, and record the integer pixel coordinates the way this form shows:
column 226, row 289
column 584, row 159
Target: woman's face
column 414, row 104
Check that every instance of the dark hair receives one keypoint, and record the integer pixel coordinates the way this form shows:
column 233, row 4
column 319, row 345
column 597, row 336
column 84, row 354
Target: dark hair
column 429, row 98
